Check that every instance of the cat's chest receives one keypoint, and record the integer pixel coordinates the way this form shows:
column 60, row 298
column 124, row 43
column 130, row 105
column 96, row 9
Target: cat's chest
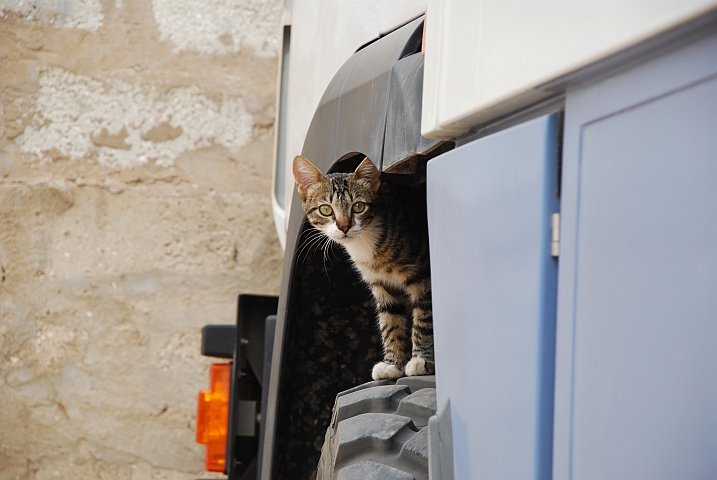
column 385, row 274
column 361, row 252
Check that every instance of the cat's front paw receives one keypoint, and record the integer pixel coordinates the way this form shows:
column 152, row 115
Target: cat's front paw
column 419, row 366
column 383, row 370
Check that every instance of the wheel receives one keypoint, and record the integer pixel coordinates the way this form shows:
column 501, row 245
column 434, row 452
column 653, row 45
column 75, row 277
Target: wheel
column 379, row 431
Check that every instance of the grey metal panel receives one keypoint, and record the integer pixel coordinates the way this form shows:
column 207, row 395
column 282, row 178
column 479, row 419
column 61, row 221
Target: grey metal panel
column 494, row 294
column 351, row 116
column 269, row 330
column 636, row 389
column 403, row 135
column 268, row 446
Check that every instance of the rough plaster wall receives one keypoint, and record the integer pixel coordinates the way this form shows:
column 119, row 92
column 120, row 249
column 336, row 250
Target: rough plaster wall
column 135, row 142
column 237, row 23
column 126, row 124
column 84, row 14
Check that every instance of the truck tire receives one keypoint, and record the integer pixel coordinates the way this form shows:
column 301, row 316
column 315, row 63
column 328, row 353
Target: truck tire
column 379, row 431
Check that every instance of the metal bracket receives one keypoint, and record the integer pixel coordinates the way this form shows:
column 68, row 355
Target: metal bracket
column 218, row 340
column 440, row 445
column 555, row 228
column 245, row 419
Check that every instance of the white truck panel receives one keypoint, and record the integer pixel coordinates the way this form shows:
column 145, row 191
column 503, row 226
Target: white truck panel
column 487, row 58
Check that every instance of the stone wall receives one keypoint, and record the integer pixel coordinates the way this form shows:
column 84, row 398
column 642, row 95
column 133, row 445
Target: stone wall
column 135, row 168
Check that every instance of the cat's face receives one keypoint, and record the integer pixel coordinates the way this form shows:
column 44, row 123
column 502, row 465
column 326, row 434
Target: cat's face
column 340, row 205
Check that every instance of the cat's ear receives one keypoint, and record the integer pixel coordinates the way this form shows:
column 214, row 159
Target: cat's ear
column 368, row 171
column 305, row 174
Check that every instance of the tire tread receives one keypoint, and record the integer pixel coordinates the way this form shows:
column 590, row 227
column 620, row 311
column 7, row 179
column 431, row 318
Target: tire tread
column 378, row 430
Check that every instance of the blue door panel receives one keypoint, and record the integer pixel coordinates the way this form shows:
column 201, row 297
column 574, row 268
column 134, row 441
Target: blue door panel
column 645, row 391
column 494, row 296
column 637, row 323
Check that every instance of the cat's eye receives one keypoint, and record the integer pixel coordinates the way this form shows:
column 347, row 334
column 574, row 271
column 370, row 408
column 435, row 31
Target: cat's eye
column 325, row 210
column 359, row 207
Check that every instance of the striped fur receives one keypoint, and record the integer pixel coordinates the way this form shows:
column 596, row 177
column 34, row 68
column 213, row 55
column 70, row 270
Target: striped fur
column 387, row 240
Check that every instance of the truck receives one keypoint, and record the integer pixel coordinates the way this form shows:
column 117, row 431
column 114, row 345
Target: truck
column 569, row 156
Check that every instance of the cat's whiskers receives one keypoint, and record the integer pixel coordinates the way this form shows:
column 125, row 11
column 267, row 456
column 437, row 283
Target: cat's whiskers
column 328, row 245
column 314, row 239
column 308, row 241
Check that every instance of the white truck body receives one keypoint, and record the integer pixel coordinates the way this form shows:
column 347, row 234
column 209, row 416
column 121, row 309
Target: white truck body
column 488, row 58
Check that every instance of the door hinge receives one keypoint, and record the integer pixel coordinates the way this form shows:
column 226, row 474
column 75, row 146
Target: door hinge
column 555, row 228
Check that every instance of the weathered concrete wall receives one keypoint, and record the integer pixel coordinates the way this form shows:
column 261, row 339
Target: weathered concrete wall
column 135, row 164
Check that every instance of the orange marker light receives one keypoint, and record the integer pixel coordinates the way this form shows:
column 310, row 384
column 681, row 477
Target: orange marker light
column 213, row 416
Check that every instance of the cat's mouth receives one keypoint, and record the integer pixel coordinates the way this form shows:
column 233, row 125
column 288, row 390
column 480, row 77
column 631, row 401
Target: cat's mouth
column 342, row 237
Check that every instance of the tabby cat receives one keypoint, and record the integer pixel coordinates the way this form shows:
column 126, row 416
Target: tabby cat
column 383, row 227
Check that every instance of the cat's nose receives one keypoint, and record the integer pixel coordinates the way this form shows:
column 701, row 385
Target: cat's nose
column 343, row 226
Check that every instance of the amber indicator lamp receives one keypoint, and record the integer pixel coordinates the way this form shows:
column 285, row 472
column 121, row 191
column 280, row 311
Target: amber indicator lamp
column 212, row 417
